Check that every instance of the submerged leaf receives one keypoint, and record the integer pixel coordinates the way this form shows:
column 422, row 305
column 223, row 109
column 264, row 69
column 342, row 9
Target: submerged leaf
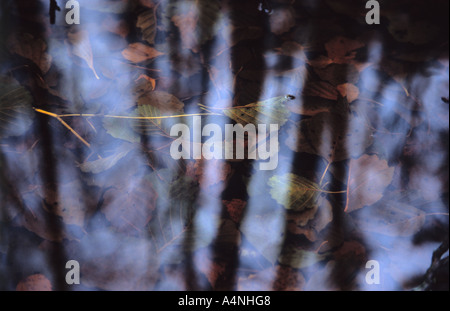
column 368, row 178
column 130, row 208
column 32, row 48
column 299, row 258
column 16, row 113
column 271, row 111
column 294, row 192
column 195, row 20
column 265, row 233
column 81, row 47
column 390, row 218
column 104, row 164
column 121, row 129
column 147, row 23
column 138, row 52
column 333, row 136
column 172, row 228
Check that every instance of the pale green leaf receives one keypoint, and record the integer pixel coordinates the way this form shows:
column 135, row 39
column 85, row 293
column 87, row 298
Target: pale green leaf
column 271, row 111
column 294, row 192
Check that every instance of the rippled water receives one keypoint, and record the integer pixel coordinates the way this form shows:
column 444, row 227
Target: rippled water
column 362, row 173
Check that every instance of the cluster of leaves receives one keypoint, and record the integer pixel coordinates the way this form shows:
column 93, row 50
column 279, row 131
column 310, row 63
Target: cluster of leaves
column 99, row 182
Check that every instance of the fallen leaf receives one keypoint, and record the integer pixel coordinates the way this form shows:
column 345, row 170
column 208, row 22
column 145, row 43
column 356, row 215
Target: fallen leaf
column 16, row 113
column 35, row 282
column 368, row 178
column 147, row 23
column 348, row 90
column 271, row 111
column 35, row 49
column 130, row 208
column 311, row 223
column 69, row 201
column 391, row 218
column 341, row 50
column 138, row 52
column 123, row 263
column 333, row 136
column 195, row 21
column 281, row 21
column 103, row 164
column 80, row 45
column 265, row 233
column 321, row 89
column 416, row 32
column 279, row 278
column 235, row 209
column 299, row 258
column 294, row 192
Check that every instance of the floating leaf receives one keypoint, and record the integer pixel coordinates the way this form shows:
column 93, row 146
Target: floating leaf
column 294, row 192
column 368, row 178
column 311, row 221
column 416, row 32
column 147, row 23
column 172, row 227
column 104, row 164
column 138, row 52
column 122, row 263
column 32, row 48
column 70, row 202
column 16, row 113
column 265, row 233
column 152, row 126
column 326, row 135
column 35, row 282
column 165, row 102
column 271, row 111
column 121, row 129
column 81, row 47
column 391, row 218
column 321, row 89
column 342, row 50
column 299, row 258
column 348, row 90
column 130, row 208
column 195, row 20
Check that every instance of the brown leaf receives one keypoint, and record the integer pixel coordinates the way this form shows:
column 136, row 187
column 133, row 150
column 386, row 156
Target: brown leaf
column 123, row 263
column 281, row 21
column 342, row 50
column 368, row 178
column 35, row 282
column 81, row 47
column 68, row 201
column 34, row 49
column 391, row 218
column 321, row 89
column 349, row 90
column 235, row 209
column 279, row 278
column 138, row 52
column 164, row 102
column 335, row 137
column 311, row 222
column 147, row 23
column 130, row 209
column 116, row 26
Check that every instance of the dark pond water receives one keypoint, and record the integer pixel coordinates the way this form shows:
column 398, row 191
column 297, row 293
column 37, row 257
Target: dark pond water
column 117, row 150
